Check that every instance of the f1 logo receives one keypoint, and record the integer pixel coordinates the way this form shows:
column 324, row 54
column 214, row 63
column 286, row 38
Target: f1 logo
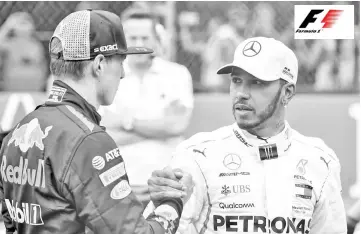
column 324, row 22
column 329, row 20
column 310, row 18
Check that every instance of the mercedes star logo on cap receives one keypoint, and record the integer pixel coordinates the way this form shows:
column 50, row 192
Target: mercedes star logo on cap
column 232, row 161
column 252, row 48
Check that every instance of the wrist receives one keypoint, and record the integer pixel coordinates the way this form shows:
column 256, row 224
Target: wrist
column 167, row 214
column 175, row 203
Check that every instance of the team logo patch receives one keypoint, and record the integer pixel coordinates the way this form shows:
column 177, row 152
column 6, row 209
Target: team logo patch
column 301, row 166
column 112, row 174
column 232, row 161
column 56, row 94
column 252, row 48
column 121, row 190
column 98, row 162
column 28, row 135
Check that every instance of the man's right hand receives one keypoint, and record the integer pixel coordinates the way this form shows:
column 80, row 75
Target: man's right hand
column 169, row 183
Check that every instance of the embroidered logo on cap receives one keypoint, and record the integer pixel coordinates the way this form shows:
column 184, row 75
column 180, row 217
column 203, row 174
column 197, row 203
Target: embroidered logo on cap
column 252, row 48
column 106, row 48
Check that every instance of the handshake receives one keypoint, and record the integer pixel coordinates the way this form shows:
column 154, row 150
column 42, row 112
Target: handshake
column 170, row 183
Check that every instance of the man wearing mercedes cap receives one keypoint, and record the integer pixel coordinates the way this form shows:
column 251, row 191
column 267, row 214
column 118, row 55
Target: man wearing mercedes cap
column 259, row 175
column 60, row 171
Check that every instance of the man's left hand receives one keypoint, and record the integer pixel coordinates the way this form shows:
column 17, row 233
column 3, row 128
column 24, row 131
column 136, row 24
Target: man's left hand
column 165, row 184
column 169, row 183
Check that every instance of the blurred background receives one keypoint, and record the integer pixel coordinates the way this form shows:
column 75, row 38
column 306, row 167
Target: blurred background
column 202, row 36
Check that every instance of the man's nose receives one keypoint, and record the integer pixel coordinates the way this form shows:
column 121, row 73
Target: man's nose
column 243, row 92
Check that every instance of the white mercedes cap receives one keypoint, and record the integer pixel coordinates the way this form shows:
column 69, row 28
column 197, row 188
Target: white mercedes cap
column 265, row 58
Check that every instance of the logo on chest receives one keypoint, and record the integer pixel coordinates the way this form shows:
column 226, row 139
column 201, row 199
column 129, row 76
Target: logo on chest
column 303, row 186
column 235, row 189
column 232, row 161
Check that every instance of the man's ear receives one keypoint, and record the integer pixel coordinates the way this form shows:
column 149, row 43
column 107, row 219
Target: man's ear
column 289, row 92
column 98, row 65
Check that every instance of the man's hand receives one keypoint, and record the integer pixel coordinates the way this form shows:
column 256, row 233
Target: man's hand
column 168, row 183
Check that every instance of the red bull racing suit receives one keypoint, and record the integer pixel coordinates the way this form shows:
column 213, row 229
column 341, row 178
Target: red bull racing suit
column 61, row 172
column 288, row 183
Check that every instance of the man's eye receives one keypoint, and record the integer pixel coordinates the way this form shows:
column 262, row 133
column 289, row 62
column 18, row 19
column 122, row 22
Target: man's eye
column 236, row 80
column 258, row 82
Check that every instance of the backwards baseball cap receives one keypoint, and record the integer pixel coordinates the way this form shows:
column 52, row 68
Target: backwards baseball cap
column 265, row 58
column 85, row 34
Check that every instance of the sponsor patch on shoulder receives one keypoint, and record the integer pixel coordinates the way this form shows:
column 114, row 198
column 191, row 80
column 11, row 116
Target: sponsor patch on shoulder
column 98, row 162
column 112, row 174
column 121, row 190
column 56, row 94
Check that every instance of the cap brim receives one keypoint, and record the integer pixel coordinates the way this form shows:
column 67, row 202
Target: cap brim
column 226, row 69
column 137, row 50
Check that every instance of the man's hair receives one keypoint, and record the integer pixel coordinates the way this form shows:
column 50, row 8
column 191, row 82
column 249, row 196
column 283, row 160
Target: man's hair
column 140, row 13
column 73, row 69
column 60, row 67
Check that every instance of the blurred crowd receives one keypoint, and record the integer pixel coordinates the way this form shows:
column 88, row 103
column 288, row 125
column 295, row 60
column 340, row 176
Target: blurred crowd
column 200, row 41
column 22, row 56
column 324, row 65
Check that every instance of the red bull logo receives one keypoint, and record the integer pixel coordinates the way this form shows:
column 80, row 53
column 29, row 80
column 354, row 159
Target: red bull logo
column 28, row 135
column 21, row 174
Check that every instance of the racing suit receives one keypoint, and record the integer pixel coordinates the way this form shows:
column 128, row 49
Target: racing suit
column 61, row 172
column 288, row 183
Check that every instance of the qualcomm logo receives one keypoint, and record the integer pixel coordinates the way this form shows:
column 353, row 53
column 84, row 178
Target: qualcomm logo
column 235, row 205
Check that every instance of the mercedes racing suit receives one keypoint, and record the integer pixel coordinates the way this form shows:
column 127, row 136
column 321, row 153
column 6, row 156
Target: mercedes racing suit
column 61, row 172
column 288, row 183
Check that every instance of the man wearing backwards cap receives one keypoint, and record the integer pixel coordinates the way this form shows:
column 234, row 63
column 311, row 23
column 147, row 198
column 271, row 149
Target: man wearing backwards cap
column 259, row 175
column 60, row 171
